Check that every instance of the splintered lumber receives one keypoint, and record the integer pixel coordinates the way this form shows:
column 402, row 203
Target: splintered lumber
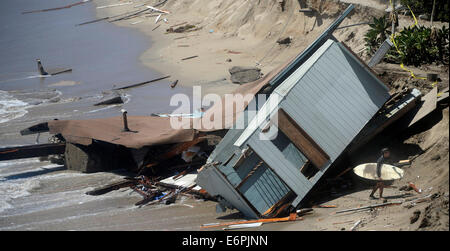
column 57, row 8
column 172, row 152
column 324, row 206
column 31, row 151
column 156, row 27
column 157, row 18
column 157, row 10
column 189, row 58
column 144, row 201
column 355, row 225
column 240, row 226
column 291, row 217
column 370, row 207
column 142, row 83
column 112, row 187
column 414, row 188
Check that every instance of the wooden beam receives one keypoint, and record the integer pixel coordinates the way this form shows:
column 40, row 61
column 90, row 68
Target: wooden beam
column 21, row 152
column 302, row 140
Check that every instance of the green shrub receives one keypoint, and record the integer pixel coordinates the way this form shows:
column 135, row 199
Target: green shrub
column 422, row 7
column 416, row 45
column 379, row 31
column 419, row 45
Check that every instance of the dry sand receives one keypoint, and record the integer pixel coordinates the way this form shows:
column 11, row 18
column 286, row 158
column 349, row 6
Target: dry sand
column 243, row 31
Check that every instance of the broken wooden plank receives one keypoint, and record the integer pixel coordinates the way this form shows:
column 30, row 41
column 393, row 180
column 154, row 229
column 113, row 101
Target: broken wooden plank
column 142, row 83
column 324, row 206
column 31, row 151
column 356, row 225
column 291, row 217
column 414, row 188
column 189, row 58
column 157, row 10
column 246, row 225
column 93, row 21
column 370, row 207
column 157, row 18
column 112, row 187
column 172, row 152
column 156, row 27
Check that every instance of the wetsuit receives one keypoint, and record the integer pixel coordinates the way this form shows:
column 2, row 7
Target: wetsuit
column 380, row 163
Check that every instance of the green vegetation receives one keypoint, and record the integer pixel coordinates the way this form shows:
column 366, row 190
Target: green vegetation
column 379, row 31
column 417, row 45
column 422, row 7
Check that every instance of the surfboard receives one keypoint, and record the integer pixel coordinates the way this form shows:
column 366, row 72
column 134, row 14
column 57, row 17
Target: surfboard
column 369, row 171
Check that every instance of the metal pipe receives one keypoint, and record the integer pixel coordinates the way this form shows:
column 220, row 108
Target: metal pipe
column 41, row 68
column 125, row 121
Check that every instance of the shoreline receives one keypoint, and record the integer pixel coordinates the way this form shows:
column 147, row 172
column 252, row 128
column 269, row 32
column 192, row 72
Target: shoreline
column 215, row 44
column 245, row 34
column 153, row 59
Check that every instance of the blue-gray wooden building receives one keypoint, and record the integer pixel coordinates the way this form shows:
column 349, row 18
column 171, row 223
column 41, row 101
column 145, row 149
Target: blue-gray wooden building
column 319, row 104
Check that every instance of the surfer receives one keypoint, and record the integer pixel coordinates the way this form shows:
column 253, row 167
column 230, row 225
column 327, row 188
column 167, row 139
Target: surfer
column 385, row 154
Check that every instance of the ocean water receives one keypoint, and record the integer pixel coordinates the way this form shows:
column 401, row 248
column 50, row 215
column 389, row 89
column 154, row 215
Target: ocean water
column 101, row 55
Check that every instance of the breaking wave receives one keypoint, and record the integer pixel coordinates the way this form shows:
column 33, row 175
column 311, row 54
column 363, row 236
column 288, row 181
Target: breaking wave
column 10, row 107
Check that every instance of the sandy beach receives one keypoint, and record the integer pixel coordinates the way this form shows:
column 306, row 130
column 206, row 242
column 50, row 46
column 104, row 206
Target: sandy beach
column 238, row 30
column 230, row 33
